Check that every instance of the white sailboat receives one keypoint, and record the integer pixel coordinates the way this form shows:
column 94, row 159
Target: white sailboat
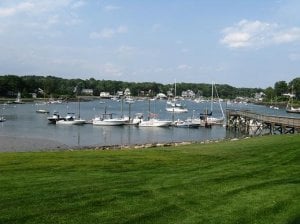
column 153, row 121
column 175, row 107
column 106, row 119
column 71, row 119
column 207, row 119
column 289, row 107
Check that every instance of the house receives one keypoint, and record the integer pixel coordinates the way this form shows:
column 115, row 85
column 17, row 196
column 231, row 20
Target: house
column 87, row 92
column 105, row 95
column 127, row 92
column 188, row 94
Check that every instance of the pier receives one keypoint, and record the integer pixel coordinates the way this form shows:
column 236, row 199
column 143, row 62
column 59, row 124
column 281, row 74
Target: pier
column 252, row 123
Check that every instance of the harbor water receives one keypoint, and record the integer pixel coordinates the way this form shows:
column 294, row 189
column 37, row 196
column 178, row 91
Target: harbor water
column 23, row 121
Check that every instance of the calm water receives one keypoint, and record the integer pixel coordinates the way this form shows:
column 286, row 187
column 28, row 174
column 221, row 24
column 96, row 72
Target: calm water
column 22, row 120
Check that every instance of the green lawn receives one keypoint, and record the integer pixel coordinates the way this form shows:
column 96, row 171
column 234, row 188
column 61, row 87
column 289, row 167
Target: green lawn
column 255, row 180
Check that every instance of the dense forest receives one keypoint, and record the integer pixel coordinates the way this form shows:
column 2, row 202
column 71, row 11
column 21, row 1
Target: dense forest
column 10, row 85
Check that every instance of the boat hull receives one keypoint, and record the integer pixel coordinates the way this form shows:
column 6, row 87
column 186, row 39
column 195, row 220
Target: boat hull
column 154, row 123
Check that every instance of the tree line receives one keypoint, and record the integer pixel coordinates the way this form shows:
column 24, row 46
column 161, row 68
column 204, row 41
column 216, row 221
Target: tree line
column 47, row 86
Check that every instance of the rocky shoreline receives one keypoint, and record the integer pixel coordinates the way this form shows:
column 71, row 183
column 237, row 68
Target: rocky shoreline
column 25, row 144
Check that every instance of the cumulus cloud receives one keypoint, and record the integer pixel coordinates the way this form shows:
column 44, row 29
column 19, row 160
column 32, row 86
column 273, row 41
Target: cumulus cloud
column 257, row 34
column 108, row 33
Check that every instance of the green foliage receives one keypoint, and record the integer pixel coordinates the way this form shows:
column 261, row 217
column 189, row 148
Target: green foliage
column 54, row 86
column 247, row 181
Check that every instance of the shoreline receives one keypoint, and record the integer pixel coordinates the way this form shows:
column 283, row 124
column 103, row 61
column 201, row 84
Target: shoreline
column 27, row 144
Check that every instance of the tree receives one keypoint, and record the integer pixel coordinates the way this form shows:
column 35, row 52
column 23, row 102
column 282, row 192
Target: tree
column 280, row 88
column 269, row 93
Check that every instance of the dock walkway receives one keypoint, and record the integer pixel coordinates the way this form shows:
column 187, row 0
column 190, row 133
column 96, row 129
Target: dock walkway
column 246, row 121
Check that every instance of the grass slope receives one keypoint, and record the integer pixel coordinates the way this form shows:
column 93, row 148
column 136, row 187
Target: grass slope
column 247, row 181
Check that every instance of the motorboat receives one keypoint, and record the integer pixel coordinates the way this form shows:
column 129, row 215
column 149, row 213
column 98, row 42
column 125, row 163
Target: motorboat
column 136, row 119
column 107, row 119
column 42, row 111
column 2, row 119
column 185, row 124
column 153, row 122
column 177, row 108
column 54, row 118
column 71, row 119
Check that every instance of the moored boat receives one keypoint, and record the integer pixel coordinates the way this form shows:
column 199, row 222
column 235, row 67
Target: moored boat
column 70, row 119
column 153, row 122
column 107, row 119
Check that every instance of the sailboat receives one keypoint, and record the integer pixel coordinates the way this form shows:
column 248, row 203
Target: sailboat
column 2, row 118
column 41, row 106
column 207, row 119
column 289, row 107
column 106, row 119
column 71, row 118
column 18, row 99
column 153, row 121
column 175, row 107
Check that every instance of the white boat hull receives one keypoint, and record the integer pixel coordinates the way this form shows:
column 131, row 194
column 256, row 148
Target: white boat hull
column 108, row 122
column 154, row 123
column 176, row 110
column 71, row 122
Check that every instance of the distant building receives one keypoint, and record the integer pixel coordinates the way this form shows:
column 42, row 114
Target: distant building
column 259, row 96
column 87, row 92
column 188, row 94
column 127, row 92
column 104, row 95
column 120, row 93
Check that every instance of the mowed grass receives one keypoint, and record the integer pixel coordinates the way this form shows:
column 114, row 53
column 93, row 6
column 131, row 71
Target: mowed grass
column 246, row 181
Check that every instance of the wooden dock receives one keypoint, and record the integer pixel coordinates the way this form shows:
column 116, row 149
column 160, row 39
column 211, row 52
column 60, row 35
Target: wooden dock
column 254, row 123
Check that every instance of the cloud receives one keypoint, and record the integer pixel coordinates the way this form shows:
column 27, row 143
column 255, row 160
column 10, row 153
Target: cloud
column 111, row 8
column 78, row 4
column 21, row 7
column 247, row 34
column 287, row 36
column 108, row 33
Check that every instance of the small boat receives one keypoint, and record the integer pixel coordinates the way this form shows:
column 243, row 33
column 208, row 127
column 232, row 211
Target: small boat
column 293, row 110
column 2, row 119
column 177, row 108
column 18, row 99
column 153, row 122
column 185, row 124
column 42, row 111
column 71, row 119
column 54, row 118
column 290, row 107
column 107, row 119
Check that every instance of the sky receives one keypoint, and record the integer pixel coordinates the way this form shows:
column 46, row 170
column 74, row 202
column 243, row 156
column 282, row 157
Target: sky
column 243, row 43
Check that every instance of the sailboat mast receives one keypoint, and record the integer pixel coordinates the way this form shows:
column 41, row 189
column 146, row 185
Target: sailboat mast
column 175, row 89
column 212, row 97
